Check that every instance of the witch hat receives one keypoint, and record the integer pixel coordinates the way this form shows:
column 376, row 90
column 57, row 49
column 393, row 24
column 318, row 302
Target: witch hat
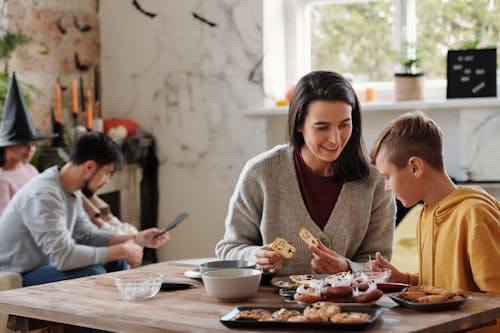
column 16, row 126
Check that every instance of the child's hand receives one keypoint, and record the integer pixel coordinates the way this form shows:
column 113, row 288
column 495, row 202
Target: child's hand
column 396, row 275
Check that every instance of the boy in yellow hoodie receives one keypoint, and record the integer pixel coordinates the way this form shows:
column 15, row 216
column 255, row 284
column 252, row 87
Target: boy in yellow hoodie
column 458, row 232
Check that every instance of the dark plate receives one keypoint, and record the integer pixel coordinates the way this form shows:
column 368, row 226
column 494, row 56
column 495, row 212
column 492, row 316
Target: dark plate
column 437, row 306
column 229, row 320
column 391, row 287
column 285, row 282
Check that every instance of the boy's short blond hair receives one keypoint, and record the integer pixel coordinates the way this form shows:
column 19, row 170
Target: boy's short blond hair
column 411, row 134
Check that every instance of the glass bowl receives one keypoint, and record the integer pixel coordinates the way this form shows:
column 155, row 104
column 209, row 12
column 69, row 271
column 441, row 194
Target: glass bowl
column 380, row 276
column 139, row 284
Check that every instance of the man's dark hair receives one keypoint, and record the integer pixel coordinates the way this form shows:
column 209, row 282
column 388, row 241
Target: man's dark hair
column 97, row 147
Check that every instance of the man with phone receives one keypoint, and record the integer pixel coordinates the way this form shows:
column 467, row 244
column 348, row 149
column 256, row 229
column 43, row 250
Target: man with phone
column 44, row 232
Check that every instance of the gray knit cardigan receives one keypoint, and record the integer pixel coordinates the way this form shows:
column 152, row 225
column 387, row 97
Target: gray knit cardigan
column 267, row 203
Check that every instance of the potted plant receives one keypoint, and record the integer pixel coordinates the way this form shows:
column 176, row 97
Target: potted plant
column 409, row 81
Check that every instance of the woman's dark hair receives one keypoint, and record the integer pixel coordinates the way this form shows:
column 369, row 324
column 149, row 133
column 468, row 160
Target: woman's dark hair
column 352, row 163
column 97, row 147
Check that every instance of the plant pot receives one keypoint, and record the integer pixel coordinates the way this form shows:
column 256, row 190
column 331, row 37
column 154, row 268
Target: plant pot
column 408, row 86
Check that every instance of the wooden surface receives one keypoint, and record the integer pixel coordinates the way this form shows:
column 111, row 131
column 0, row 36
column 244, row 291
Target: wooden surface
column 95, row 302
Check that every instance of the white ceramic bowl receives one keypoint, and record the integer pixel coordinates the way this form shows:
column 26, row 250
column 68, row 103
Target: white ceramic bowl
column 138, row 285
column 223, row 264
column 232, row 284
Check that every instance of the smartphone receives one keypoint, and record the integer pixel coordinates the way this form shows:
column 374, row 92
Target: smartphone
column 168, row 286
column 181, row 217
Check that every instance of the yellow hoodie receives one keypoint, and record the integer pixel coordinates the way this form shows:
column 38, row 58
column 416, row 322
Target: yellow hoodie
column 459, row 243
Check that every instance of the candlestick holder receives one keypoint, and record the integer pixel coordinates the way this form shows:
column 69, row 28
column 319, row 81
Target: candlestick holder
column 59, row 130
column 75, row 125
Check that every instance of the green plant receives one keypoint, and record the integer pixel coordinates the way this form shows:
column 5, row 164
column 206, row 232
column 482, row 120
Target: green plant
column 8, row 43
column 409, row 59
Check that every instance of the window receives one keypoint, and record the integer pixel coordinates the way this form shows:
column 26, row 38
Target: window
column 368, row 38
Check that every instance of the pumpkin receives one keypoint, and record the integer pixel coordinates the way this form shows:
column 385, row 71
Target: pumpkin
column 129, row 125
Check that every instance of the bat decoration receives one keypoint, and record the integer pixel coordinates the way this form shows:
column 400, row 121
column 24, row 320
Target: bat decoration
column 139, row 8
column 255, row 76
column 82, row 28
column 81, row 67
column 60, row 27
column 204, row 20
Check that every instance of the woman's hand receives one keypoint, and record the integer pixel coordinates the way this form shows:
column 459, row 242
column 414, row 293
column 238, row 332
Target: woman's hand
column 396, row 275
column 268, row 260
column 147, row 238
column 327, row 261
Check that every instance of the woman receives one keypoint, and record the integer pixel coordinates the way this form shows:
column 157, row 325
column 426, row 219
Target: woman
column 320, row 180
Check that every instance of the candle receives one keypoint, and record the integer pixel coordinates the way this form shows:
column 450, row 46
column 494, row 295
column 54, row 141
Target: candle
column 74, row 95
column 90, row 116
column 58, row 116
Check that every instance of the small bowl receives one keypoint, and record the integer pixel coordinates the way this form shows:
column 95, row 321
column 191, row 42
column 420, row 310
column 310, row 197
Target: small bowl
column 138, row 285
column 231, row 285
column 381, row 276
column 224, row 264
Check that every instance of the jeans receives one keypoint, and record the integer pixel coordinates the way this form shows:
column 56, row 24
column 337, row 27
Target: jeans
column 48, row 273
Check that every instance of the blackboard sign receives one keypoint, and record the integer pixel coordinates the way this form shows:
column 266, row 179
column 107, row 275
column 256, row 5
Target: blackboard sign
column 472, row 73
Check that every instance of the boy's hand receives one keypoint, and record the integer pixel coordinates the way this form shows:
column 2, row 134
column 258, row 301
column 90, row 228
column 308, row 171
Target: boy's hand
column 327, row 261
column 396, row 275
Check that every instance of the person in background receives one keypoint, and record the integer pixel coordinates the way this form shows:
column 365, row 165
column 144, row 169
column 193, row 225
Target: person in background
column 458, row 232
column 321, row 180
column 46, row 236
column 17, row 145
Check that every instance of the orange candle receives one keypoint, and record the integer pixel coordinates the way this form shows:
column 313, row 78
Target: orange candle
column 58, row 116
column 74, row 95
column 90, row 116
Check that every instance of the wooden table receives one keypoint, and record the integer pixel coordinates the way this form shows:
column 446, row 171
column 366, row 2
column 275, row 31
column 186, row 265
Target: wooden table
column 94, row 302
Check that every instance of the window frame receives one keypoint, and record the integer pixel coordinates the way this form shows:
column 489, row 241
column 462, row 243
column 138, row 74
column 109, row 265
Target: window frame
column 287, row 50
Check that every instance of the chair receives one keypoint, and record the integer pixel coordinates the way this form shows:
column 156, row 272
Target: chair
column 405, row 251
column 8, row 280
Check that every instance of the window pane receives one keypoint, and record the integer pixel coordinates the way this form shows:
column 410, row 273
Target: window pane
column 451, row 24
column 353, row 37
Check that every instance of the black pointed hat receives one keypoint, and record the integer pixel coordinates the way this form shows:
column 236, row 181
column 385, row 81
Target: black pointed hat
column 16, row 126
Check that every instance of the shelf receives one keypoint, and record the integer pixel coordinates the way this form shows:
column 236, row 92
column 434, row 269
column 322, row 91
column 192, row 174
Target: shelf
column 456, row 103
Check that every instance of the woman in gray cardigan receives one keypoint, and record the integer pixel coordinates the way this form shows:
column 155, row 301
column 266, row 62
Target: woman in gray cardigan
column 320, row 180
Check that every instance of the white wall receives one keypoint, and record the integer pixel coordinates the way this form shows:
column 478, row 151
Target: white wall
column 187, row 83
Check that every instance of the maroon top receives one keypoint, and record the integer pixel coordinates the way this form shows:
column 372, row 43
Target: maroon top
column 320, row 194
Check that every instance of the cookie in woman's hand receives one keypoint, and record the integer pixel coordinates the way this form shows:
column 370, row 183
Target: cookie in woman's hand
column 284, row 247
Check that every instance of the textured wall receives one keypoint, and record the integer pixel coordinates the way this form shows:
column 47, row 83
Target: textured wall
column 59, row 25
column 186, row 75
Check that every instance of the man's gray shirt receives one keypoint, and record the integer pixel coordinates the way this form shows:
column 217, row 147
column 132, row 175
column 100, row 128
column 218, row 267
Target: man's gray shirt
column 46, row 225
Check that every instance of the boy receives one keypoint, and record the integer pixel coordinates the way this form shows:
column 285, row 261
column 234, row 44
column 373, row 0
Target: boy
column 458, row 232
